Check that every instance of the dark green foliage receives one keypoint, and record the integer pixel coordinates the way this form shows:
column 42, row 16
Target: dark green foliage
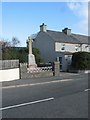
column 10, row 53
column 81, row 60
column 21, row 53
column 38, row 58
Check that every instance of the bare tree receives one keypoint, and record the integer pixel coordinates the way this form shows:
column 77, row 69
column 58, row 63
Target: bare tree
column 8, row 48
column 15, row 42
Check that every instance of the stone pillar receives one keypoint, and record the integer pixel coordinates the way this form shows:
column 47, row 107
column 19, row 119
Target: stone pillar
column 23, row 70
column 56, row 68
column 30, row 45
column 31, row 57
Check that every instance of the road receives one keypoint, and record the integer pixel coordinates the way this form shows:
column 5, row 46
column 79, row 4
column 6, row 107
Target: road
column 58, row 99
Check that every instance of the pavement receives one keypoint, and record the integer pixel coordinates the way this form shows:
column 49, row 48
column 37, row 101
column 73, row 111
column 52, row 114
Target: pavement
column 64, row 76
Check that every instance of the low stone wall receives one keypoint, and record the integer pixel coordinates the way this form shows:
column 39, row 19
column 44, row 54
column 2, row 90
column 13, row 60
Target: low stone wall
column 36, row 75
column 56, row 68
column 25, row 74
column 9, row 64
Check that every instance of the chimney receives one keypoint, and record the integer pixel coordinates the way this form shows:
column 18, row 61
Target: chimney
column 67, row 31
column 43, row 27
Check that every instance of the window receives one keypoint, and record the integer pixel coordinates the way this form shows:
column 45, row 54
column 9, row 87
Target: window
column 63, row 47
column 86, row 46
column 76, row 47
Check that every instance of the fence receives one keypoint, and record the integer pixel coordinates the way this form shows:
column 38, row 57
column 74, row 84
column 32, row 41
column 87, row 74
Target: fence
column 39, row 69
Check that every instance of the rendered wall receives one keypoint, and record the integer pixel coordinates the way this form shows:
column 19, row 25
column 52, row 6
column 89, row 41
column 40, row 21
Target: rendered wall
column 9, row 74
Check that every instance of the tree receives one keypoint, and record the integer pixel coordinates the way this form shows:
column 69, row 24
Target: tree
column 15, row 42
column 8, row 49
column 11, row 51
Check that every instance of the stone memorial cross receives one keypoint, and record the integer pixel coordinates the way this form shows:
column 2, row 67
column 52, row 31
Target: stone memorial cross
column 31, row 57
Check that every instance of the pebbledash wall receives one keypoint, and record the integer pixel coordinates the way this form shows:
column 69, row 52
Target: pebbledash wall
column 9, row 70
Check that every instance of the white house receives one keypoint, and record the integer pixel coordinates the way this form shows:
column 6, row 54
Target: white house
column 55, row 45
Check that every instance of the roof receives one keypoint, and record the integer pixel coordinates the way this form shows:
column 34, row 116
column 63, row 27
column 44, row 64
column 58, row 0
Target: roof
column 81, row 38
column 33, row 36
column 62, row 37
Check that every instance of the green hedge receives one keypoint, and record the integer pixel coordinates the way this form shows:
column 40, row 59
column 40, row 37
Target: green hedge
column 21, row 53
column 81, row 61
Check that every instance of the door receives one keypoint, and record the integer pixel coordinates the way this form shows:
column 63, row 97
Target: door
column 60, row 59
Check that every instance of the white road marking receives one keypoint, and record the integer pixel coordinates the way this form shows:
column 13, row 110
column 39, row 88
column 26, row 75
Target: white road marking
column 41, row 83
column 24, row 104
column 86, row 90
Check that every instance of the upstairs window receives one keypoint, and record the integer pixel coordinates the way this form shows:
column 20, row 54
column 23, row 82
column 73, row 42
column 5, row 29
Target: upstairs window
column 63, row 47
column 76, row 47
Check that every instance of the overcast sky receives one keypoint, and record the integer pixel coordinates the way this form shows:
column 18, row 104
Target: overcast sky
column 21, row 19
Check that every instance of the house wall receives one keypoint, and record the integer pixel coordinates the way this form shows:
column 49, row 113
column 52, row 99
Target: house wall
column 68, row 47
column 46, row 46
column 50, row 49
column 85, row 47
column 71, row 47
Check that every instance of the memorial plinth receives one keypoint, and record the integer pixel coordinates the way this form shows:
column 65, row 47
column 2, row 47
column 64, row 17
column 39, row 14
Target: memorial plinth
column 31, row 60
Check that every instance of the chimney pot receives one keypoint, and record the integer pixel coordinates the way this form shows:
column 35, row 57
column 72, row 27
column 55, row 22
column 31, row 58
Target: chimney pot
column 43, row 27
column 67, row 31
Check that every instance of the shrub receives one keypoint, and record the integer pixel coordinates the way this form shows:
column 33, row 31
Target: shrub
column 37, row 54
column 81, row 61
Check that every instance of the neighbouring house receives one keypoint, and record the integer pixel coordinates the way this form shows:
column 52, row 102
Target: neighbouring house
column 56, row 45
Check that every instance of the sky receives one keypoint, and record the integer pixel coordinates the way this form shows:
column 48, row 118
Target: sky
column 22, row 19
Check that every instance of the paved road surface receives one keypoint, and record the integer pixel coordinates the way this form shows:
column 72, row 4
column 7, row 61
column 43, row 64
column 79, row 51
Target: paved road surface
column 68, row 99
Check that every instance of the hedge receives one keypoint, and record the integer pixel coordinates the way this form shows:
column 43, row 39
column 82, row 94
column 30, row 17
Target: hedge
column 81, row 61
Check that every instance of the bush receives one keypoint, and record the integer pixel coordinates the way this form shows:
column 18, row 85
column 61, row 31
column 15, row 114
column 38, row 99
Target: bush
column 11, row 53
column 20, row 53
column 37, row 54
column 81, row 61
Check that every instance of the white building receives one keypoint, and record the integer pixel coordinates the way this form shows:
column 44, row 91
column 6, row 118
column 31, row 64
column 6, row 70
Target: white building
column 55, row 45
